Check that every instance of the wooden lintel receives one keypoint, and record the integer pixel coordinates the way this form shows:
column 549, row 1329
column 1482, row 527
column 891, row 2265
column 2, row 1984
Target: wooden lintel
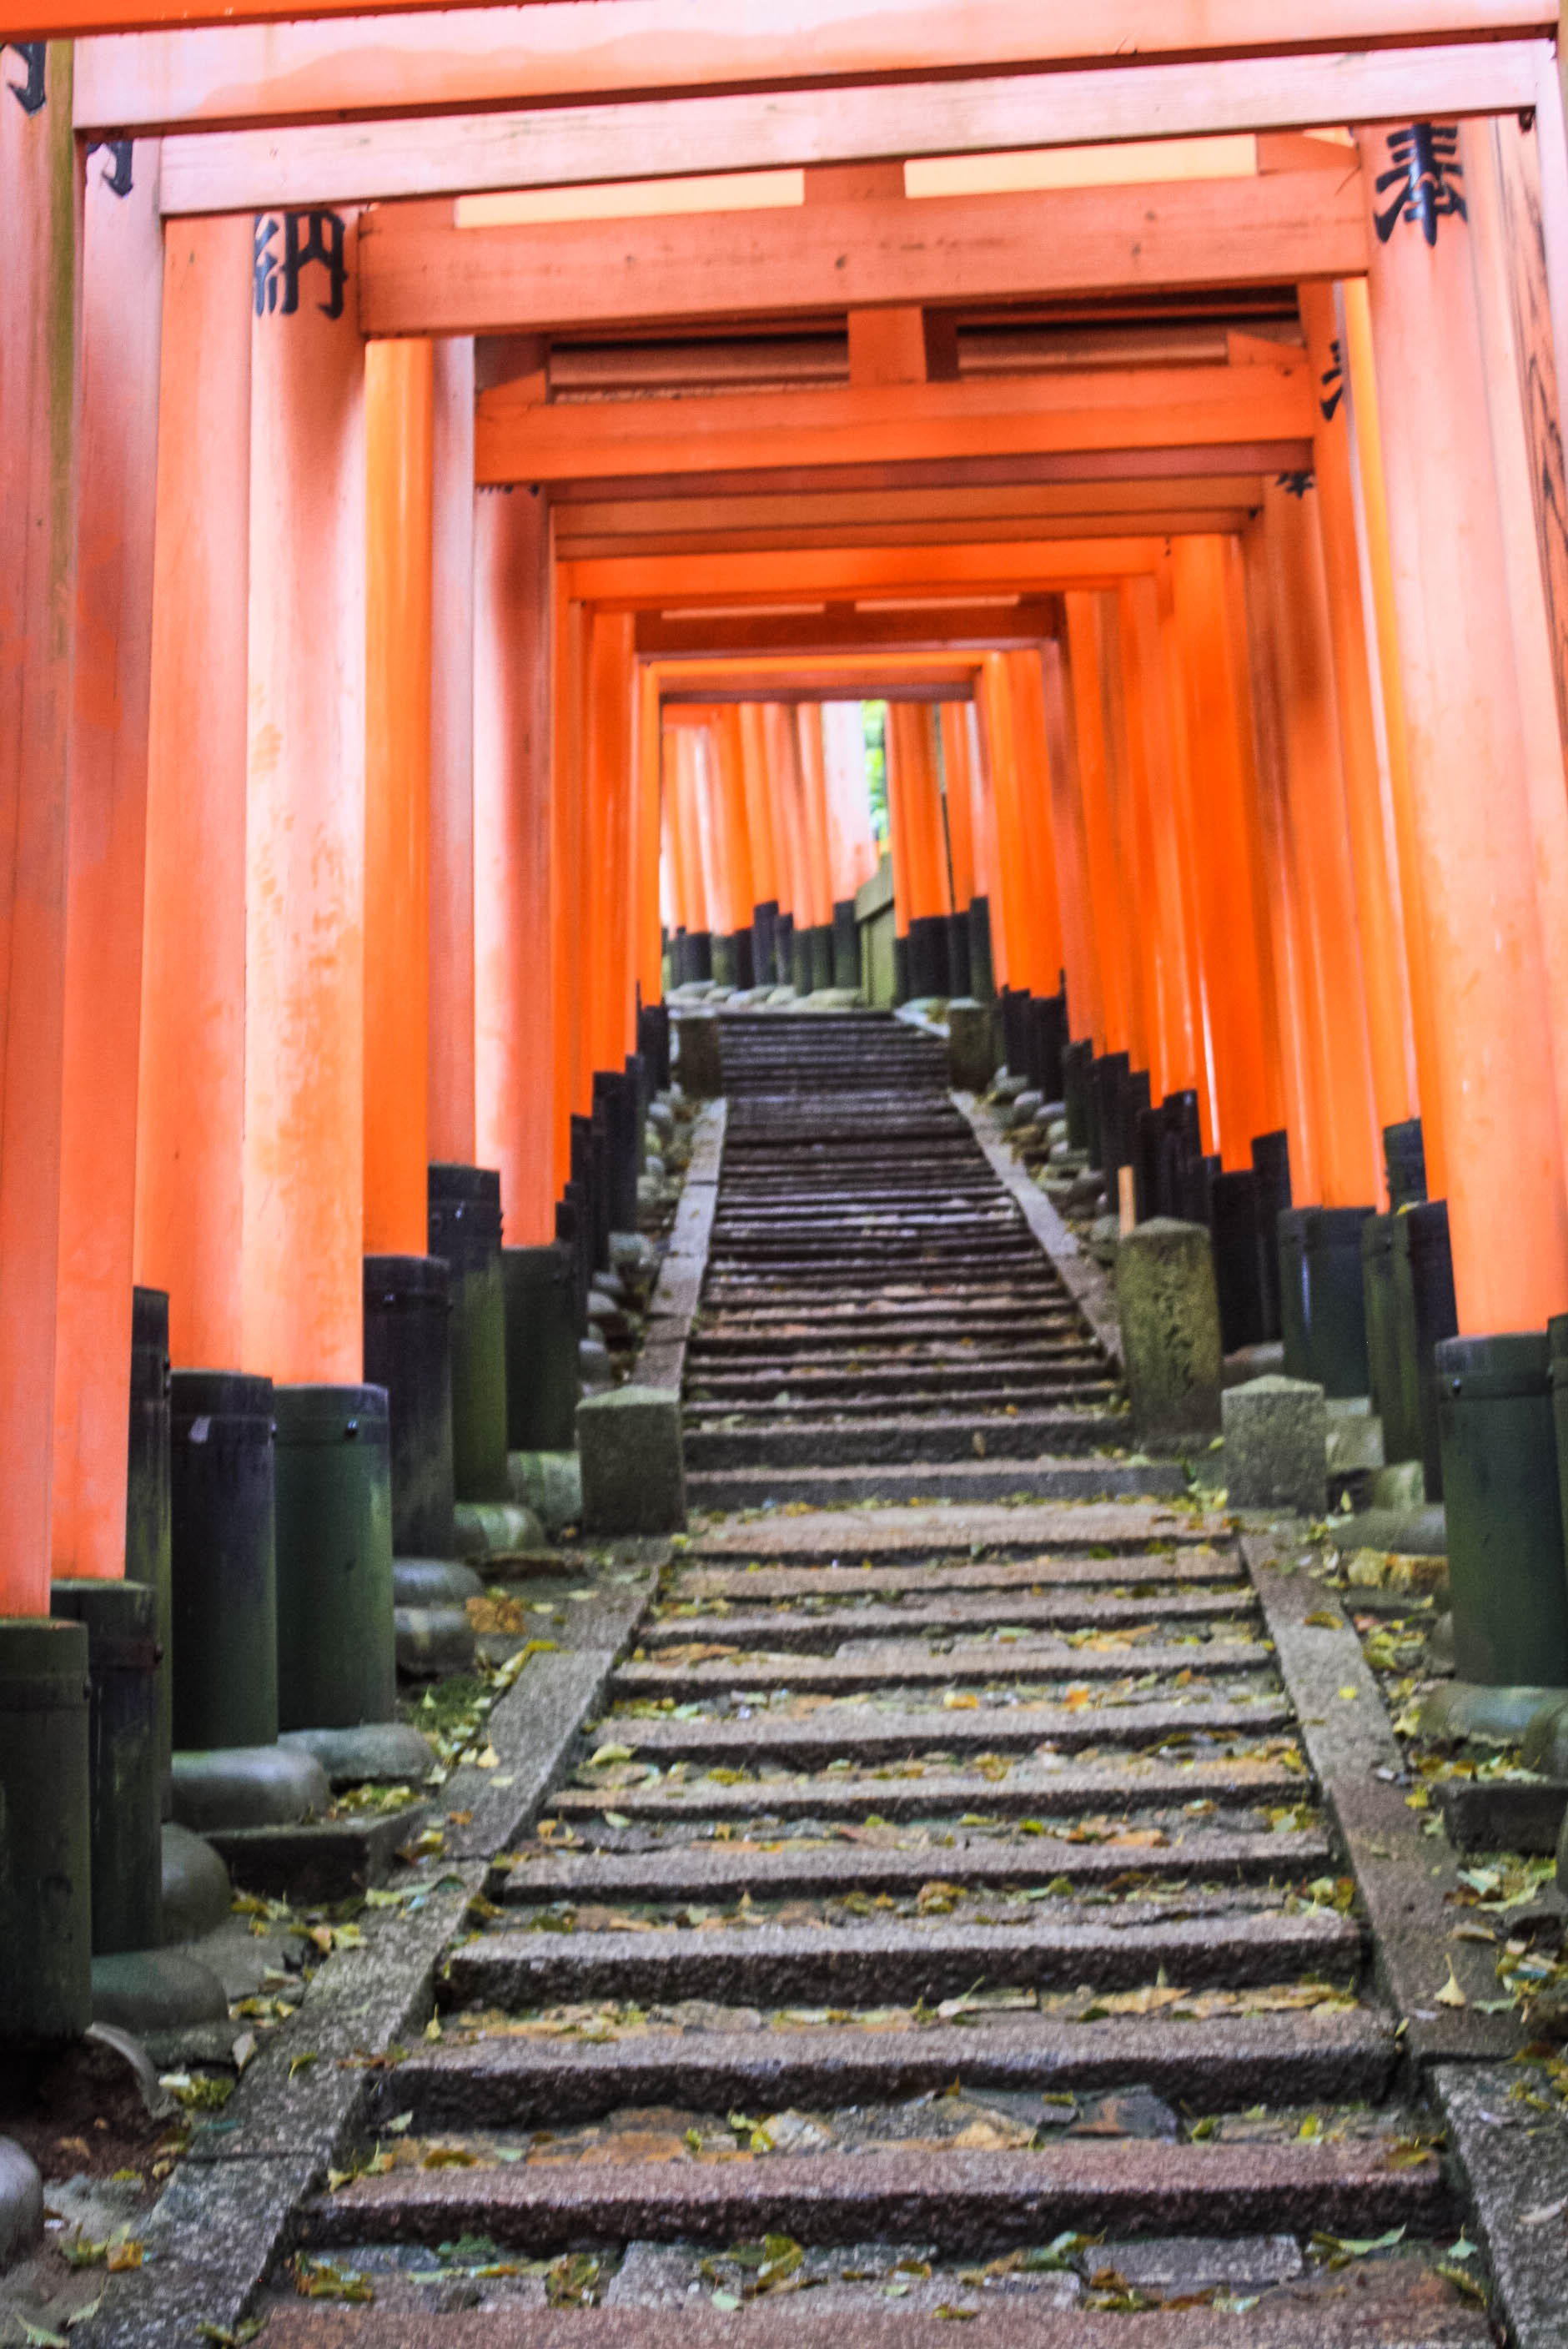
column 942, row 574
column 430, row 60
column 562, row 146
column 1020, row 467
column 1286, row 227
column 976, row 511
column 1217, row 410
column 855, row 681
column 981, row 627
column 1201, row 522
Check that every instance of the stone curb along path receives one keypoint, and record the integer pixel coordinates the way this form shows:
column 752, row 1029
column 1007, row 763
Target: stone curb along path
column 229, row 2216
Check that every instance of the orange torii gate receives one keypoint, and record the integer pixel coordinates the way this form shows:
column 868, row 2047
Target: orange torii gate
column 1323, row 868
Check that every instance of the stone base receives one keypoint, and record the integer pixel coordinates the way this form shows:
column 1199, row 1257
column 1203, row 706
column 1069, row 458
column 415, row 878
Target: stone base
column 495, row 1529
column 379, row 1753
column 197, row 1895
column 633, row 1475
column 433, row 1641
column 432, row 1582
column 247, row 1787
column 1411, row 1533
column 143, row 1990
column 1492, row 1716
column 1402, row 1486
column 550, row 1484
column 1274, row 1430
column 1354, row 1436
column 21, row 2202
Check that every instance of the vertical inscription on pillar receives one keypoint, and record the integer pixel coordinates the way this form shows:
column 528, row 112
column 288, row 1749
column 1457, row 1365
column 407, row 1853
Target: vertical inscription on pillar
column 30, row 93
column 1424, row 168
column 1540, row 393
column 1333, row 382
column 117, row 172
column 308, row 237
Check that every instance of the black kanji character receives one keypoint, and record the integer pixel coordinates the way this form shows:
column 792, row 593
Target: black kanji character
column 1333, row 382
column 1294, row 485
column 116, row 178
column 319, row 239
column 30, row 94
column 1425, row 167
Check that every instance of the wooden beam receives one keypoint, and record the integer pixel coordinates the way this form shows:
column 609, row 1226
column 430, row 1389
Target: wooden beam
column 1208, row 409
column 979, row 512
column 863, row 679
column 939, row 574
column 986, row 624
column 562, row 146
column 1203, row 521
column 420, row 279
column 429, row 61
column 1017, row 468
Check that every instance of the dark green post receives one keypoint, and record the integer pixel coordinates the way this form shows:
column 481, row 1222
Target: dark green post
column 336, row 1654
column 46, row 1898
column 124, row 1782
column 224, row 1561
column 1504, row 1510
column 148, row 1531
column 465, row 1228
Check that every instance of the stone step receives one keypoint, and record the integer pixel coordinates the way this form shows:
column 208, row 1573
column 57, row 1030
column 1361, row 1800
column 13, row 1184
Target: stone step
column 864, row 1735
column 824, row 1632
column 1101, row 1527
column 1196, row 1562
column 812, row 1444
column 1343, row 2055
column 989, row 1399
column 1051, row 1478
column 1020, row 1790
column 958, row 2200
column 900, row 1664
column 715, row 1871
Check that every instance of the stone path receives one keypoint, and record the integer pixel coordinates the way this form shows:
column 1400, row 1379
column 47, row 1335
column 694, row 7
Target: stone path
column 941, row 1914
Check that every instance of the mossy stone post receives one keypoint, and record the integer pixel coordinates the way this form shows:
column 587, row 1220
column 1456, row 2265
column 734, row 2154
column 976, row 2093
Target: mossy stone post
column 336, row 1660
column 46, row 1895
column 464, row 1229
column 224, row 1560
column 124, row 1784
column 969, row 1064
column 148, row 1524
column 633, row 1474
column 698, row 1063
column 1170, row 1312
column 1504, row 1512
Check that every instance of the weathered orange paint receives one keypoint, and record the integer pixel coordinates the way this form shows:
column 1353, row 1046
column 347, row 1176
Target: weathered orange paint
column 452, row 1016
column 1491, row 1026
column 953, row 719
column 190, row 1121
column 760, row 821
column 1165, row 944
column 1044, row 714
column 122, row 299
column 606, row 943
column 1114, row 914
column 399, row 458
column 1521, row 367
column 1349, row 1157
column 513, row 977
column 914, row 812
column 1370, row 487
column 648, row 972
column 304, row 936
column 38, row 200
column 733, row 832
column 808, row 717
column 568, row 728
column 1220, row 831
column 1367, row 801
column 1280, row 892
column 782, row 747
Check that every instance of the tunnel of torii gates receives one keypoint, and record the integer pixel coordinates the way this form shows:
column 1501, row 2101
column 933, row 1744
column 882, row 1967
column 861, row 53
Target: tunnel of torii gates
column 396, row 571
